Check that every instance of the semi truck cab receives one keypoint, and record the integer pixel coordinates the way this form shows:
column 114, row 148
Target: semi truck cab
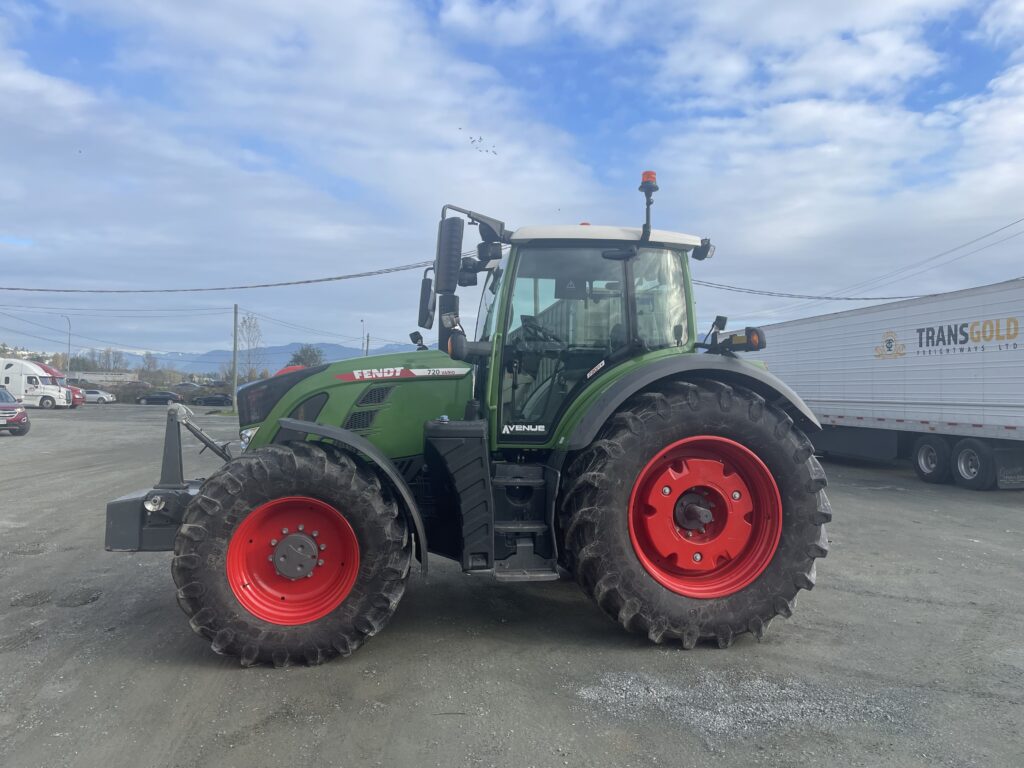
column 31, row 383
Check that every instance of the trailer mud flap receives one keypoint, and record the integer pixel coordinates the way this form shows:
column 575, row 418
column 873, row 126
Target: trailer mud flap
column 1009, row 468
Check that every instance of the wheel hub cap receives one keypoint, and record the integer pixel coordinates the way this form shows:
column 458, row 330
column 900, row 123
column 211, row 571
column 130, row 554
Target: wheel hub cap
column 718, row 526
column 295, row 556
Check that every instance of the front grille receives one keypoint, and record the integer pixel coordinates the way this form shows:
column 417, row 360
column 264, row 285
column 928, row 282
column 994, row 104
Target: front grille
column 360, row 420
column 375, row 395
column 8, row 414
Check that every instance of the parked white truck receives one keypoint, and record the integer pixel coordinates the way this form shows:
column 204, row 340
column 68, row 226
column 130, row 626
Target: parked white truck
column 938, row 380
column 32, row 384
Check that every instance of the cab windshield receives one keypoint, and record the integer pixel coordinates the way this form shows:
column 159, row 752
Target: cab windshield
column 575, row 313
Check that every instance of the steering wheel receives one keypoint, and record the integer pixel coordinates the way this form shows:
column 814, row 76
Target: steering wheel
column 538, row 331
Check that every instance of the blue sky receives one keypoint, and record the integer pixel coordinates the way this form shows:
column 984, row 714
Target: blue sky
column 172, row 144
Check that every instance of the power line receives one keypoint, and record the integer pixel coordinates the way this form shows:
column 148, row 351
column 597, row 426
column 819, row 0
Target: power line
column 141, row 310
column 880, row 280
column 783, row 295
column 301, row 327
column 311, row 281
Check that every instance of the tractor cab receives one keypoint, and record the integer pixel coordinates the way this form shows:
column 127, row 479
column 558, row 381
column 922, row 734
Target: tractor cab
column 562, row 308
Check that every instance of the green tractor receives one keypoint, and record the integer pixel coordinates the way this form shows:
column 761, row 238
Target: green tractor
column 585, row 431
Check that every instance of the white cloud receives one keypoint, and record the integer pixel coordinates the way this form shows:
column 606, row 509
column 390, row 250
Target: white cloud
column 1003, row 21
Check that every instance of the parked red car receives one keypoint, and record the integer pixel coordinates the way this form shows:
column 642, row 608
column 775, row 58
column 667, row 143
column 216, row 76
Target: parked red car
column 77, row 395
column 13, row 416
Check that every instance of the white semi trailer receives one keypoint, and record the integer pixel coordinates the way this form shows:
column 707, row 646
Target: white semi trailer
column 938, row 380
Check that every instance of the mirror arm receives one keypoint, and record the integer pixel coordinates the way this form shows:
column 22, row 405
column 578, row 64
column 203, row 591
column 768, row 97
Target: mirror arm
column 504, row 236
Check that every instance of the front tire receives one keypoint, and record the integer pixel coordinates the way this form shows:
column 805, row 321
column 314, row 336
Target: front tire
column 101, row 400
column 931, row 459
column 720, row 448
column 232, row 568
column 47, row 403
column 21, row 430
column 145, row 401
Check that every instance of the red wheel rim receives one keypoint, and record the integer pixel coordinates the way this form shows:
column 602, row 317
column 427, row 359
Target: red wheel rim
column 735, row 547
column 292, row 526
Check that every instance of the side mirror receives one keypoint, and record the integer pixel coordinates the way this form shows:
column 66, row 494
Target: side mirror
column 720, row 322
column 448, row 261
column 704, row 251
column 426, row 314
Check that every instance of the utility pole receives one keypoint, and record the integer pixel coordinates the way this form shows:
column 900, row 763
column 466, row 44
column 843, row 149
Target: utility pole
column 67, row 363
column 366, row 348
column 234, row 365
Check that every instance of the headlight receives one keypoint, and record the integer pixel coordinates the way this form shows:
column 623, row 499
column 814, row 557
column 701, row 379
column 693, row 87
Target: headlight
column 19, row 409
column 246, row 435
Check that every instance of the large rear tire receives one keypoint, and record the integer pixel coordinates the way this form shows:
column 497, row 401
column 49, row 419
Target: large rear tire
column 243, row 567
column 973, row 464
column 635, row 539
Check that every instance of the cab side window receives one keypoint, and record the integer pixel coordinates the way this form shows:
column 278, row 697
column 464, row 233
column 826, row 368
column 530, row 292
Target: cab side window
column 32, row 380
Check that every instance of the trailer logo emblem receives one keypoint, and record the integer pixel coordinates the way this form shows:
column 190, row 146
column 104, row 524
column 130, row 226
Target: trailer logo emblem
column 891, row 347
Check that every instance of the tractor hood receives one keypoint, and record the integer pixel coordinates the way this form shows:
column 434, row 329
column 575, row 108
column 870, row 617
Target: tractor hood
column 293, row 394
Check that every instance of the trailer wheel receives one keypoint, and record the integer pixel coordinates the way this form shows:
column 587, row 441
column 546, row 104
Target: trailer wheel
column 973, row 464
column 931, row 459
column 47, row 403
column 698, row 513
column 290, row 555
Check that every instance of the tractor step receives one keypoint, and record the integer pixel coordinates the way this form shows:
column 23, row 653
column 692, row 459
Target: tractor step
column 525, row 565
column 520, row 526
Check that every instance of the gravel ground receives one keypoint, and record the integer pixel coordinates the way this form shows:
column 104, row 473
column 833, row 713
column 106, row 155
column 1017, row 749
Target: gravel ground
column 908, row 652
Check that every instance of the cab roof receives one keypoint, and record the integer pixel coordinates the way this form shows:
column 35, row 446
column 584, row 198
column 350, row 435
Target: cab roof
column 588, row 232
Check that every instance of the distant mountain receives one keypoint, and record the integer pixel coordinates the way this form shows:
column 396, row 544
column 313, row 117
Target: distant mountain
column 271, row 358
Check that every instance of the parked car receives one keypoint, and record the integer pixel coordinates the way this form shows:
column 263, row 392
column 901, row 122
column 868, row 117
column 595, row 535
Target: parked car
column 159, row 398
column 13, row 416
column 99, row 396
column 215, row 399
column 188, row 385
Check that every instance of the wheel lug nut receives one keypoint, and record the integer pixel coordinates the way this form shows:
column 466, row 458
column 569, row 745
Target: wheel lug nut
column 284, row 531
column 309, row 575
column 736, row 495
column 315, row 534
column 270, row 558
column 697, row 557
column 665, row 491
column 323, row 547
column 319, row 562
column 689, row 534
column 273, row 542
column 302, row 527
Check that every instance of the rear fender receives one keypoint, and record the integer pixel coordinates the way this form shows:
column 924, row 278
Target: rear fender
column 362, row 449
column 729, row 370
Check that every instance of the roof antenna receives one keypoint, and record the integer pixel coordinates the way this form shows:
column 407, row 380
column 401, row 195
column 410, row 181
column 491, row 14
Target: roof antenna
column 648, row 185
